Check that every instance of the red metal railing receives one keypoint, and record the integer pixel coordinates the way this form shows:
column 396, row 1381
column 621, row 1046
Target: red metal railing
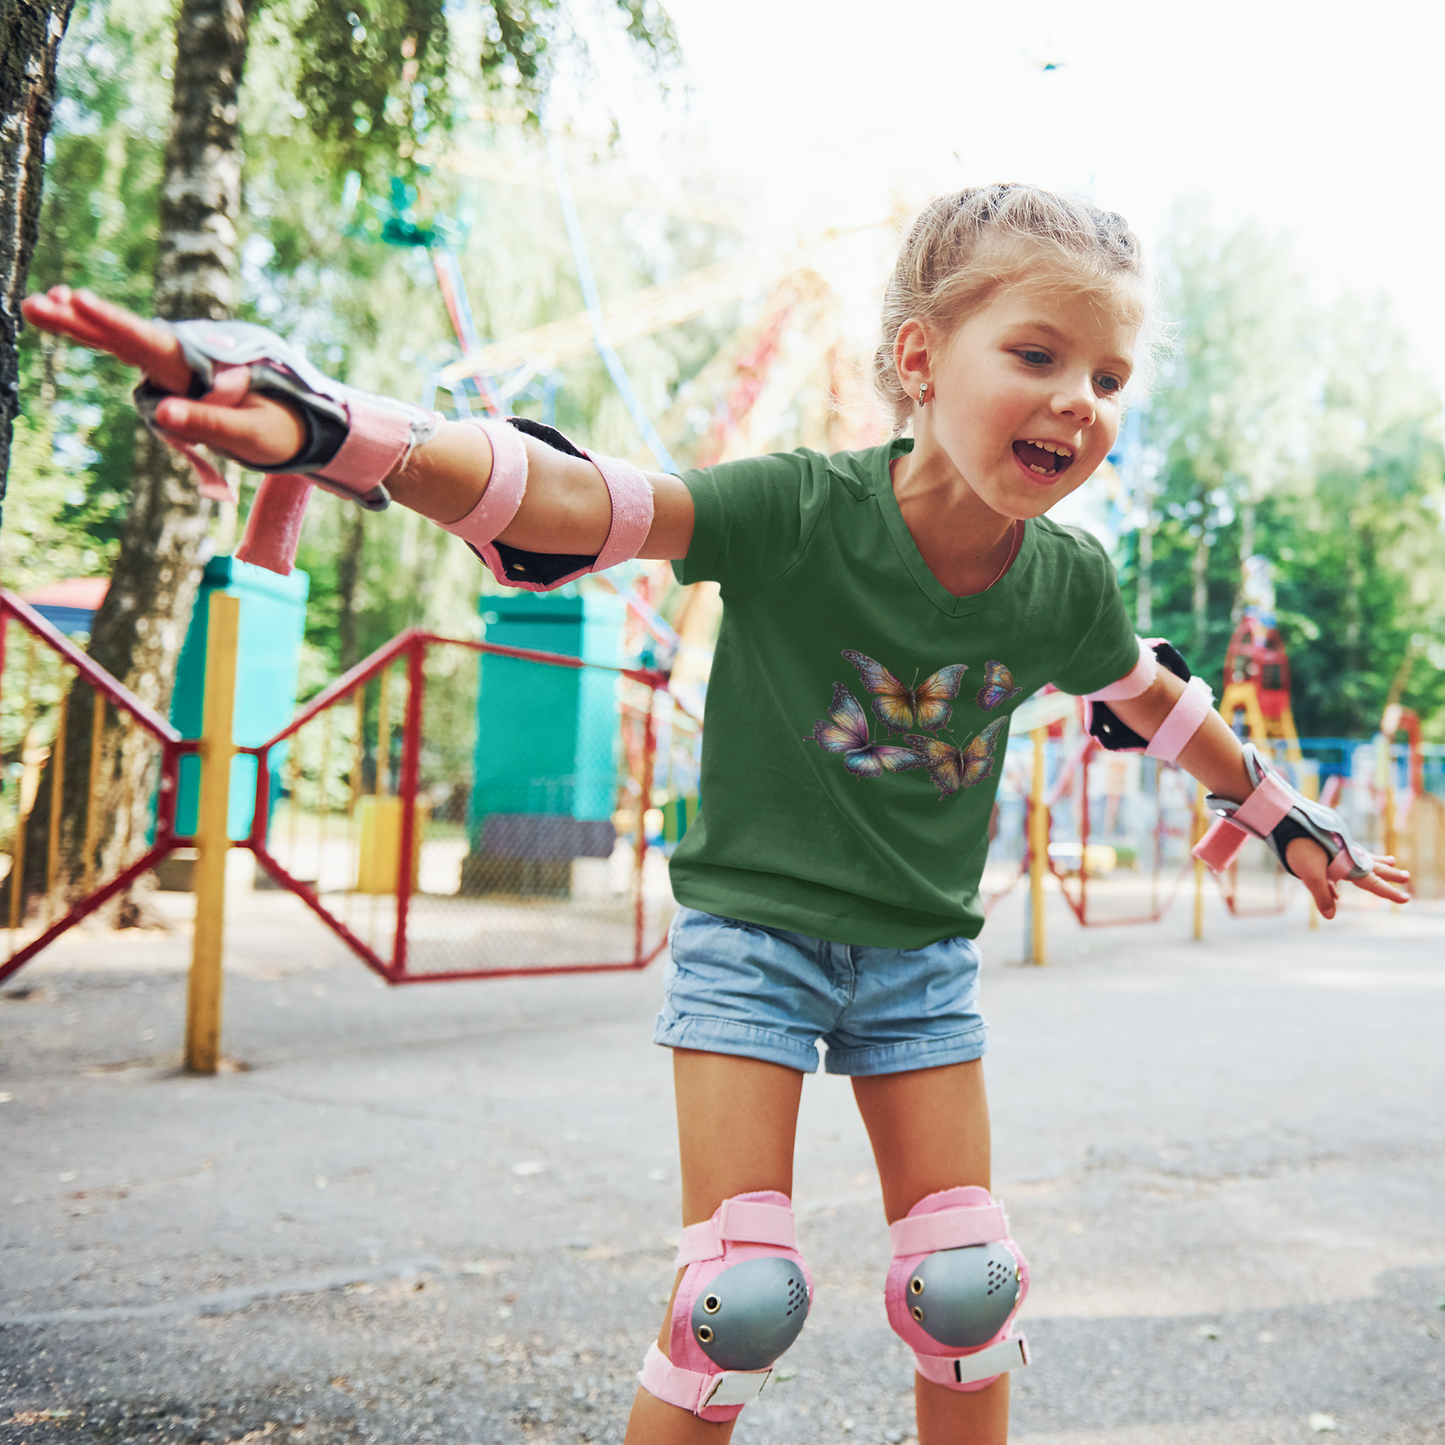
column 455, row 925
column 78, row 673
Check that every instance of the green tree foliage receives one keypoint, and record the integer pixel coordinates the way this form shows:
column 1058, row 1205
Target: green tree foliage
column 75, row 436
column 1310, row 435
column 379, row 77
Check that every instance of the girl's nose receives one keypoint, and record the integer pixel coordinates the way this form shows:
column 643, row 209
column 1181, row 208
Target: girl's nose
column 1076, row 399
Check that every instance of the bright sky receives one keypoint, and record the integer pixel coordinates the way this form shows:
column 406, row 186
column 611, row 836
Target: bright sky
column 1322, row 121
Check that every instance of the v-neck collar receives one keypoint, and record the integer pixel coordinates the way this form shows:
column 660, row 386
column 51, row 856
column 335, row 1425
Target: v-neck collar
column 928, row 584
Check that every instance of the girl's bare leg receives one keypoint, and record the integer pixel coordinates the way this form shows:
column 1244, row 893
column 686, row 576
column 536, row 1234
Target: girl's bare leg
column 736, row 1120
column 929, row 1129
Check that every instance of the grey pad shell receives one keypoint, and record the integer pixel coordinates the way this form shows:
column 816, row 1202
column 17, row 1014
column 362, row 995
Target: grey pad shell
column 749, row 1314
column 963, row 1296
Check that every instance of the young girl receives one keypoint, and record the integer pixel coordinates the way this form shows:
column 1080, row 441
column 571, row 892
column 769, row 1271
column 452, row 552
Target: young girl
column 885, row 611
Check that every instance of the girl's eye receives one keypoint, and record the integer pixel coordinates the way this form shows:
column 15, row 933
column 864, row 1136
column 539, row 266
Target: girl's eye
column 1034, row 358
column 1109, row 384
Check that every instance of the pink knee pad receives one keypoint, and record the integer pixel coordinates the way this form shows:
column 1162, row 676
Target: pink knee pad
column 741, row 1303
column 956, row 1282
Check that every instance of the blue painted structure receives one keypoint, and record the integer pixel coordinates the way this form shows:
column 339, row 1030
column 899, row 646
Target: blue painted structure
column 273, row 620
column 545, row 766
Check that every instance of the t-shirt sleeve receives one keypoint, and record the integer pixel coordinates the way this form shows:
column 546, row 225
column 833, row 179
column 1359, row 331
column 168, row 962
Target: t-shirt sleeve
column 751, row 520
column 1109, row 648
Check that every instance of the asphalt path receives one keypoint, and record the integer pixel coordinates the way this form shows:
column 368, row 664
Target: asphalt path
column 446, row 1213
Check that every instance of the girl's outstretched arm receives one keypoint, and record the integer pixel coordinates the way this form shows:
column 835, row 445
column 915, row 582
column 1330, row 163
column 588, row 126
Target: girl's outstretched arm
column 565, row 509
column 1214, row 756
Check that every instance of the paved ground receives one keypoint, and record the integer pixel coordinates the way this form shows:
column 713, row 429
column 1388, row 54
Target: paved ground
column 445, row 1213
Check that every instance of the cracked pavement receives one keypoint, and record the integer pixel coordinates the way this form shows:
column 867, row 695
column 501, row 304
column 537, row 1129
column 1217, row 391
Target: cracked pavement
column 446, row 1214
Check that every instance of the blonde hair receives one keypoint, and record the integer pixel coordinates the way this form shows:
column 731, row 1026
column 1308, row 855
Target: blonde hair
column 965, row 246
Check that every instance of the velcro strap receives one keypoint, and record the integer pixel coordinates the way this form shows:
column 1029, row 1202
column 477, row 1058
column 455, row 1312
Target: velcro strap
column 1183, row 721
column 1262, row 810
column 499, row 503
column 1220, row 846
column 273, row 525
column 378, row 438
column 1009, row 1354
column 1134, row 682
column 694, row 1391
column 740, row 1221
column 631, row 510
column 948, row 1229
column 1341, row 865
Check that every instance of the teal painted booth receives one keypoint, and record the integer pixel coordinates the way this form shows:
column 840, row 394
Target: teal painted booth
column 544, row 776
column 273, row 619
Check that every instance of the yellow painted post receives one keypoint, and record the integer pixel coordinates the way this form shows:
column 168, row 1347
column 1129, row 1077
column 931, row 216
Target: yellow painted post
column 358, row 759
column 1200, row 825
column 203, row 1000
column 92, row 816
column 1310, row 787
column 22, row 810
column 1038, row 852
column 383, row 735
column 57, row 800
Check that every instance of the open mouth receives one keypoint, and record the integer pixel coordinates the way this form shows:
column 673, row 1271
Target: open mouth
column 1045, row 458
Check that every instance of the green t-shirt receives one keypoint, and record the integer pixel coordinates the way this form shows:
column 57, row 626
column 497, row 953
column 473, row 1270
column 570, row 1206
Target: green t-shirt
column 857, row 712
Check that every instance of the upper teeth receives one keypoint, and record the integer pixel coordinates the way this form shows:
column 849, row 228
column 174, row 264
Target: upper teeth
column 1056, row 447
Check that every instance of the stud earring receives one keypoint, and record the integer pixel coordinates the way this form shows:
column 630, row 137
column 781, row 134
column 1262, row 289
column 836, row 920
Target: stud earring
column 923, row 393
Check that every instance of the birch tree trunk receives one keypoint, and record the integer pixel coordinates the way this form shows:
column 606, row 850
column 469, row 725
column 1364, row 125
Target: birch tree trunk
column 140, row 627
column 1201, row 596
column 30, row 34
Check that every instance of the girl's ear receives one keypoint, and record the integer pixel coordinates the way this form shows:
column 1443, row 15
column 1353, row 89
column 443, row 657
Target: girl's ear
column 911, row 355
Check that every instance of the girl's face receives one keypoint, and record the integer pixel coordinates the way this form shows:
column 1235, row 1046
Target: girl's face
column 1024, row 397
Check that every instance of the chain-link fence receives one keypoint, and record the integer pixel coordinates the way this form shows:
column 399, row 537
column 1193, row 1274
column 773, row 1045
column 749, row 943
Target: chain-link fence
column 1120, row 830
column 528, row 793
column 88, row 784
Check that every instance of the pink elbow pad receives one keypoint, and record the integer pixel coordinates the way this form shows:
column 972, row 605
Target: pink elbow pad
column 1184, row 719
column 538, row 571
column 1182, row 722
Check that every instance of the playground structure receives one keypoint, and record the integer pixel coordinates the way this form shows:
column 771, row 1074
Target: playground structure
column 458, row 809
column 466, row 809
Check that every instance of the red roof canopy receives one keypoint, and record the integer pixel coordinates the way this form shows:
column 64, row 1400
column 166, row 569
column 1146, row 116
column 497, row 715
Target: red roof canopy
column 86, row 592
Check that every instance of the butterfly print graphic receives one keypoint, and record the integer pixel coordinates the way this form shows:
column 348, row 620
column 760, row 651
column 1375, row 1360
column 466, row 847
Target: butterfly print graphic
column 928, row 705
column 953, row 768
column 845, row 730
column 998, row 686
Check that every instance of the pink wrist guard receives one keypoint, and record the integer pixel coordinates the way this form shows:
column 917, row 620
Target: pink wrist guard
column 1278, row 814
column 540, row 571
column 353, row 441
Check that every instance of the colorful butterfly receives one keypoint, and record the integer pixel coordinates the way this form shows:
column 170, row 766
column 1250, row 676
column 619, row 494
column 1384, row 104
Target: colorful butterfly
column 845, row 730
column 952, row 768
column 929, row 705
column 998, row 686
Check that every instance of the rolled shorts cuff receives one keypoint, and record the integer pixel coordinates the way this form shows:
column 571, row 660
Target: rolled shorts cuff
column 961, row 1048
column 724, row 1036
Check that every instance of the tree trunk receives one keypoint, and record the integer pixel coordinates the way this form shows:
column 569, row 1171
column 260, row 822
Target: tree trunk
column 30, row 33
column 1144, row 607
column 141, row 625
column 1246, row 551
column 1201, row 596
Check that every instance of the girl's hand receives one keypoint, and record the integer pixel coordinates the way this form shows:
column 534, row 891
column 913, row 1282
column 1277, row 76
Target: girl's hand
column 255, row 432
column 1309, row 862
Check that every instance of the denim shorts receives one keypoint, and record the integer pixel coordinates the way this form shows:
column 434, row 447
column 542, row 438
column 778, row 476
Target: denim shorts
column 765, row 993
